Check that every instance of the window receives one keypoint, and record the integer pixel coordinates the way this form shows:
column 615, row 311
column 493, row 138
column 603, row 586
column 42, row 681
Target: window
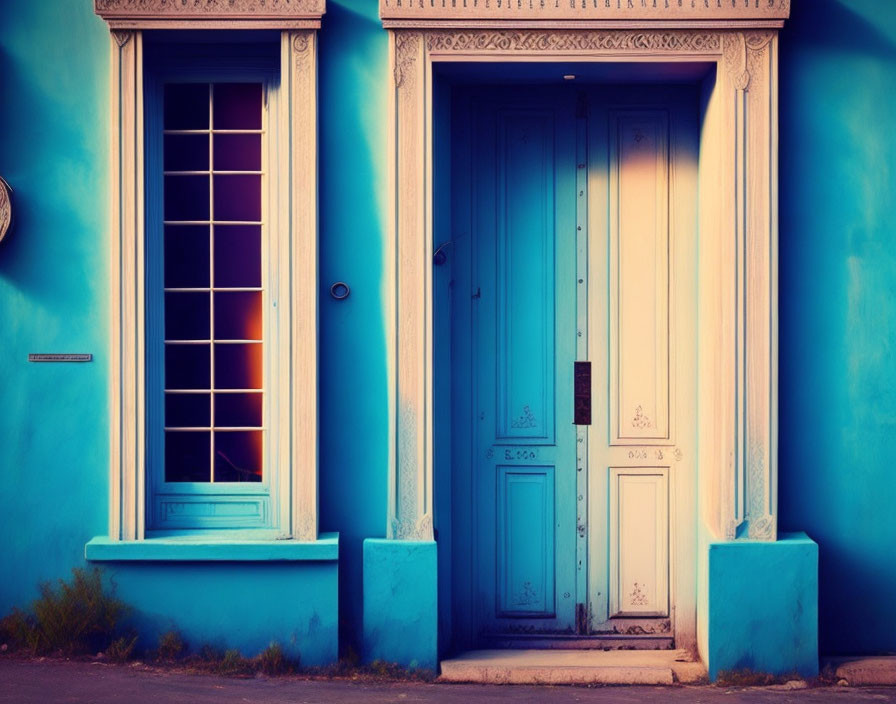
column 212, row 318
column 214, row 276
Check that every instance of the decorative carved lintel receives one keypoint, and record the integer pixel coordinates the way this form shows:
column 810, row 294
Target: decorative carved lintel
column 725, row 13
column 137, row 14
column 573, row 41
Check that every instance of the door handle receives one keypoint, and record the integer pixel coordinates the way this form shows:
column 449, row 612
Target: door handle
column 582, row 393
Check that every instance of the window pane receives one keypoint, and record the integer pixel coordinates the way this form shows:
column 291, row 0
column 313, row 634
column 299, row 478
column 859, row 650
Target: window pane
column 238, row 315
column 238, row 366
column 186, row 198
column 237, row 152
column 187, row 456
column 238, row 198
column 186, row 106
column 187, row 316
column 238, row 410
column 186, row 152
column 186, row 256
column 237, row 106
column 238, row 456
column 187, row 410
column 237, row 255
column 187, row 367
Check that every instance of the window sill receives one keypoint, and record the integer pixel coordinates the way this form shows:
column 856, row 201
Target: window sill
column 199, row 549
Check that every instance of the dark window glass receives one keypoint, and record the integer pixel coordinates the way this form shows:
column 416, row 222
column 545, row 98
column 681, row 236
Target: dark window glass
column 187, row 456
column 186, row 198
column 186, row 316
column 238, row 410
column 237, row 106
column 237, row 255
column 186, row 152
column 186, row 256
column 238, row 456
column 187, row 367
column 238, row 366
column 188, row 410
column 186, row 106
column 237, row 152
column 238, row 197
column 238, row 315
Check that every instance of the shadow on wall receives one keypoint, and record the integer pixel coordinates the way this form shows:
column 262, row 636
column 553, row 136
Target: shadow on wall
column 354, row 423
column 838, row 309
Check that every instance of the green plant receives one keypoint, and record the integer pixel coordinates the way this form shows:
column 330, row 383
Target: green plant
column 121, row 649
column 272, row 661
column 233, row 665
column 72, row 618
column 171, row 646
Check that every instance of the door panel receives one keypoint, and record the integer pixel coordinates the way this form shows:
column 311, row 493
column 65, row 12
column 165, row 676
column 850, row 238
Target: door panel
column 639, row 276
column 574, row 233
column 641, row 330
column 523, row 194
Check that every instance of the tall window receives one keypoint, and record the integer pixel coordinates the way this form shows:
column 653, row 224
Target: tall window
column 214, row 362
column 211, row 316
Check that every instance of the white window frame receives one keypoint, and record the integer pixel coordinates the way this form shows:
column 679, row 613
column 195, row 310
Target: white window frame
column 296, row 240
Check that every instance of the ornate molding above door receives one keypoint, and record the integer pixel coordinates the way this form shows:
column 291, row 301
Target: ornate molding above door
column 720, row 14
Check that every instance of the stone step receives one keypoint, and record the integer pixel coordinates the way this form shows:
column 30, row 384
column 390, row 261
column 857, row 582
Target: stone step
column 571, row 642
column 648, row 667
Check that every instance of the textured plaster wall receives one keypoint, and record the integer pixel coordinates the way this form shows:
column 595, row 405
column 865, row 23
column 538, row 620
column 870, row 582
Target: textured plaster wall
column 838, row 309
column 354, row 84
column 54, row 93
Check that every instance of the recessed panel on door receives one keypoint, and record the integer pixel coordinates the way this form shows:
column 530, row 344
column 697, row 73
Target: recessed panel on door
column 525, row 276
column 640, row 387
column 525, row 541
column 639, row 541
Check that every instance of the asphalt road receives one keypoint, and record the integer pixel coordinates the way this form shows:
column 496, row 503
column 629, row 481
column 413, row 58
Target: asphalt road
column 52, row 682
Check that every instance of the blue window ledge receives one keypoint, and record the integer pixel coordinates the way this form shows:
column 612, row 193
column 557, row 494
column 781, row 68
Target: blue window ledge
column 198, row 549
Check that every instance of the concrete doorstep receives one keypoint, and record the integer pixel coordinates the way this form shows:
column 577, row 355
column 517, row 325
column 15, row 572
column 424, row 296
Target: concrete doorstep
column 862, row 671
column 646, row 667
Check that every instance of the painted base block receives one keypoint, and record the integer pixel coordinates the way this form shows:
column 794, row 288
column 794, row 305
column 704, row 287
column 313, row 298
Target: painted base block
column 242, row 605
column 763, row 606
column 401, row 603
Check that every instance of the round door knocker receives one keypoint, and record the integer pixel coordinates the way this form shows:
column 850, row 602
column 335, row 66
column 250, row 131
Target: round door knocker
column 340, row 290
column 5, row 208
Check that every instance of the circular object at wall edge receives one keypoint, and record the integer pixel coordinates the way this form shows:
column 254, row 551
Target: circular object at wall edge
column 5, row 208
column 340, row 290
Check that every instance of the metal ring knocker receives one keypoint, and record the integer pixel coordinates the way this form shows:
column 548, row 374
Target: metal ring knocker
column 340, row 290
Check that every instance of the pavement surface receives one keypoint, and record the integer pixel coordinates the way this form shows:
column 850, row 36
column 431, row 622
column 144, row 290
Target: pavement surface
column 52, row 682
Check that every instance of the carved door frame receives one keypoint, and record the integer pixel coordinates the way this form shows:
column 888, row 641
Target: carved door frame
column 737, row 250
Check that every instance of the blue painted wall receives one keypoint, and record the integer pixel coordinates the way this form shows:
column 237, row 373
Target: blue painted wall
column 838, row 309
column 54, row 63
column 838, row 297
column 354, row 419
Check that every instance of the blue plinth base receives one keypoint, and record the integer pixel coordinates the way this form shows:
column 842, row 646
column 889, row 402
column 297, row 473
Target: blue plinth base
column 763, row 607
column 401, row 603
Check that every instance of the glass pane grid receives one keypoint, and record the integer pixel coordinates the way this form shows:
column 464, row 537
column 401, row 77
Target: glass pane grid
column 223, row 402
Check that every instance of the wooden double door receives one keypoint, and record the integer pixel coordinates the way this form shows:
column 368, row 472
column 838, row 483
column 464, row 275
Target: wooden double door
column 573, row 220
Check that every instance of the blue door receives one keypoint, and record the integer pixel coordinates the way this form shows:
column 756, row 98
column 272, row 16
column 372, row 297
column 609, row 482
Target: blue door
column 522, row 329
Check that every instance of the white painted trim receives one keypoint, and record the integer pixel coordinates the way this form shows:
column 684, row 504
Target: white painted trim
column 296, row 350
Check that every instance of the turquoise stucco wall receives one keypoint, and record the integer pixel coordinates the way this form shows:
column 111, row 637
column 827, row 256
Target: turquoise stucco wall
column 838, row 309
column 354, row 419
column 762, row 607
column 838, row 280
column 54, row 83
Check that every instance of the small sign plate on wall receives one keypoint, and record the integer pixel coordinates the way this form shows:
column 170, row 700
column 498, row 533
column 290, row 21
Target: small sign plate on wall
column 60, row 357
